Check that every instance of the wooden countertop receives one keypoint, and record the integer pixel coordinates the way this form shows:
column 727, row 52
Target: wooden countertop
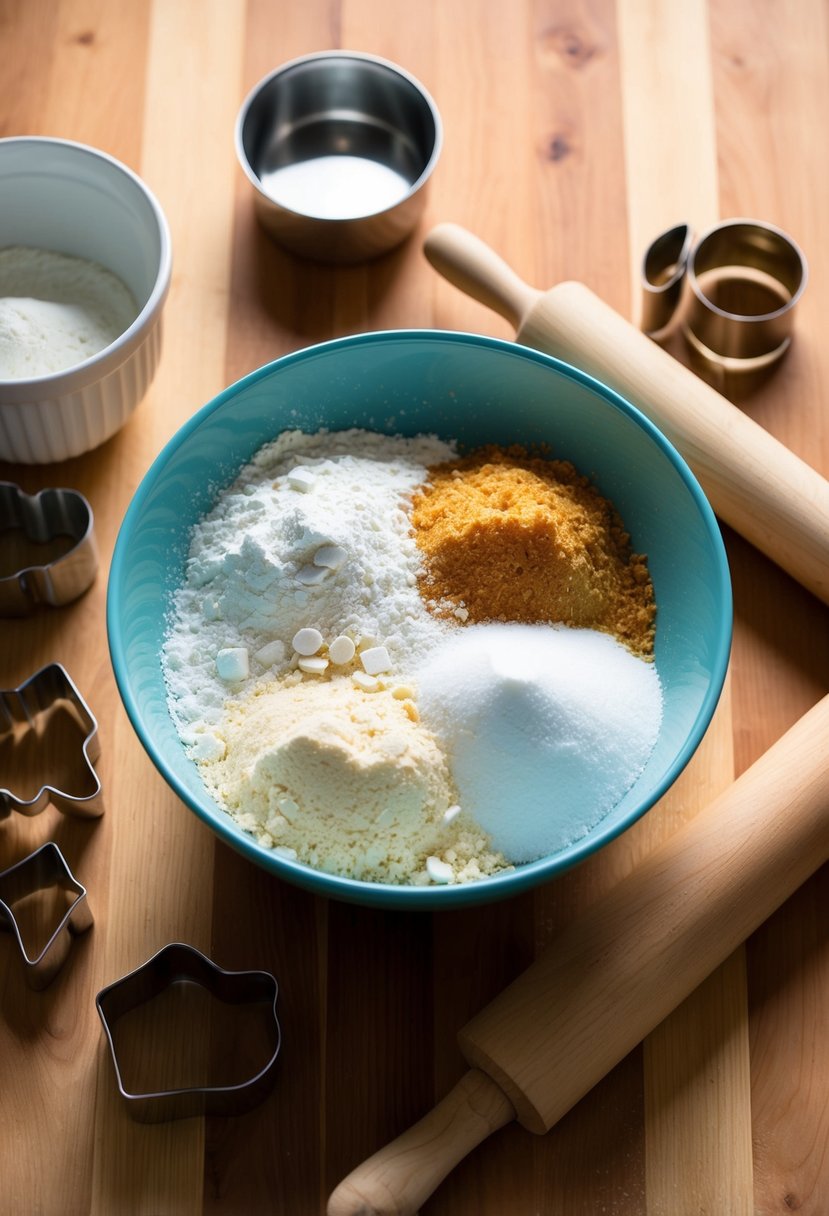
column 574, row 133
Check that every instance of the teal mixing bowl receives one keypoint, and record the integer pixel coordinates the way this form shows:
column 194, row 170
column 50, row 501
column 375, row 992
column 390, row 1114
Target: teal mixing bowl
column 477, row 390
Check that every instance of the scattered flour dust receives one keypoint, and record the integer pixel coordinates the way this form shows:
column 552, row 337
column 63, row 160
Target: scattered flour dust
column 56, row 311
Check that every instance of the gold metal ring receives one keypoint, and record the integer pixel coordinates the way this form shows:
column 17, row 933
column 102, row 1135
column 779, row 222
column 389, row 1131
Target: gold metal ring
column 744, row 279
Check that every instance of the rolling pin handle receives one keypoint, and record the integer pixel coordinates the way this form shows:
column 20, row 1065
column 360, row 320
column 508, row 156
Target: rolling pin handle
column 402, row 1175
column 754, row 483
column 476, row 269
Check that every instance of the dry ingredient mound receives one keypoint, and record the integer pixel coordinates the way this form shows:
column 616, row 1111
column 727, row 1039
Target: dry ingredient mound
column 346, row 782
column 253, row 578
column 546, row 728
column 508, row 536
column 56, row 311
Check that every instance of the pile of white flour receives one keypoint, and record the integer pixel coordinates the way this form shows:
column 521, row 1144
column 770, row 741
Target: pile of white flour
column 252, row 582
column 56, row 311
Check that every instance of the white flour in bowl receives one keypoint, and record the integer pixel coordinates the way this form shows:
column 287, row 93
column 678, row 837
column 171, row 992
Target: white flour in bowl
column 56, row 311
column 255, row 574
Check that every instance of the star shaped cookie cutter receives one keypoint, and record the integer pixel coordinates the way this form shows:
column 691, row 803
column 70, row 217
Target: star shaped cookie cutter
column 42, row 518
column 46, row 688
column 180, row 964
column 44, row 868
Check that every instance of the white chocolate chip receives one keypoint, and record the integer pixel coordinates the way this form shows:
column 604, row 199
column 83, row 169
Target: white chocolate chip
column 208, row 747
column 450, row 814
column 301, row 479
column 310, row 576
column 232, row 663
column 270, row 653
column 287, row 807
column 366, row 682
column 330, row 556
column 314, row 666
column 375, row 660
column 341, row 650
column 282, row 850
column 307, row 641
column 438, row 870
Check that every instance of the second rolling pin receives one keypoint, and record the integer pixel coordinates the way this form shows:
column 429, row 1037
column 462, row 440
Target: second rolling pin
column 617, row 970
column 754, row 483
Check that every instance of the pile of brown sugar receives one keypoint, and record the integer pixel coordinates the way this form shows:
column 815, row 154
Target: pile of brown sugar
column 509, row 536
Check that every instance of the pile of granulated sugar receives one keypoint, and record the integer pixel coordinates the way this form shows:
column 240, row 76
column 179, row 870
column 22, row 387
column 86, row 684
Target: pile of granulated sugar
column 545, row 728
column 314, row 534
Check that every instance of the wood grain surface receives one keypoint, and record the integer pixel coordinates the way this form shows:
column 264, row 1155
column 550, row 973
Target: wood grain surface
column 575, row 131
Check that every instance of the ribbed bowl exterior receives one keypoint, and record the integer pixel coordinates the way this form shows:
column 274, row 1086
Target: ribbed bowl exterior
column 79, row 201
column 43, row 431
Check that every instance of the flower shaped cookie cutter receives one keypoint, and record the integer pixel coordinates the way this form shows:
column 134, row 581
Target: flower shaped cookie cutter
column 45, row 517
column 175, row 965
column 40, row 693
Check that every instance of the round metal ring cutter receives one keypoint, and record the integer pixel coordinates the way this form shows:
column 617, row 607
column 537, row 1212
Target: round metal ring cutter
column 744, row 279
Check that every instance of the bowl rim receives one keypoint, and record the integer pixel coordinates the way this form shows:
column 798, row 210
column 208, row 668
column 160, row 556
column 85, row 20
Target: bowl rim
column 389, row 895
column 317, row 56
column 103, row 362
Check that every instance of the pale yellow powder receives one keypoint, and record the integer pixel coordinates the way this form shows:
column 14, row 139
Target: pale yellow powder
column 349, row 781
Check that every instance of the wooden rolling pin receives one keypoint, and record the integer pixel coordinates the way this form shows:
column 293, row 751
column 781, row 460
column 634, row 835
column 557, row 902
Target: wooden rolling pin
column 618, row 969
column 754, row 483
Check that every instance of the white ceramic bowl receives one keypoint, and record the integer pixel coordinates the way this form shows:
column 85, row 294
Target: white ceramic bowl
column 73, row 199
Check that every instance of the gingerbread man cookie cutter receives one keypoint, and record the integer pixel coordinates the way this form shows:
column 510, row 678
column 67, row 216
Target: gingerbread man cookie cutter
column 21, row 706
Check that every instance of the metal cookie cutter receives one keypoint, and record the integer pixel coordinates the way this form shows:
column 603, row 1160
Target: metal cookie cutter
column 44, row 517
column 42, row 869
column 39, row 693
column 744, row 280
column 179, row 964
